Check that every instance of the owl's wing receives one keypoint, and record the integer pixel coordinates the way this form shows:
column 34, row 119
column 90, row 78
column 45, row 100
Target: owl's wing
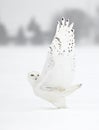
column 63, row 44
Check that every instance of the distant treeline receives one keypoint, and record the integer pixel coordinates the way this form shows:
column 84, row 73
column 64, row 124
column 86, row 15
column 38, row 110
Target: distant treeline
column 84, row 26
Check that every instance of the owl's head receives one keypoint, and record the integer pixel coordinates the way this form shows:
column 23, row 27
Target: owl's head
column 33, row 77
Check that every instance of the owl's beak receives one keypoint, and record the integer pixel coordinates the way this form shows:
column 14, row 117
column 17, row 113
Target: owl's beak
column 35, row 78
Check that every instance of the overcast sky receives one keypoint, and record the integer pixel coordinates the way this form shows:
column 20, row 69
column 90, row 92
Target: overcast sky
column 18, row 12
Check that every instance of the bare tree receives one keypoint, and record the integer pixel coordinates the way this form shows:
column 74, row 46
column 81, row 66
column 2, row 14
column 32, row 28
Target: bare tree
column 35, row 29
column 97, row 26
column 4, row 39
column 20, row 37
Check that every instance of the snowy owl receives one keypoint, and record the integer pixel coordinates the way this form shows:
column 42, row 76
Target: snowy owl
column 55, row 80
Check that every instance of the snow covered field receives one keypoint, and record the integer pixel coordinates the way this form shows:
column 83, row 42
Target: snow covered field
column 20, row 109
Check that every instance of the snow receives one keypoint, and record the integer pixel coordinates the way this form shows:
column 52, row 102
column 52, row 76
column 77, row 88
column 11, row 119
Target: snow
column 20, row 109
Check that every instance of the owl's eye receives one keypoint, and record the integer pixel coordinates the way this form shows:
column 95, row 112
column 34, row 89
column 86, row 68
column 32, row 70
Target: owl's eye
column 32, row 74
column 37, row 74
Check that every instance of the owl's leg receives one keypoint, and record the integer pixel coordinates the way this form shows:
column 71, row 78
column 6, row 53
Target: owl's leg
column 60, row 102
column 71, row 89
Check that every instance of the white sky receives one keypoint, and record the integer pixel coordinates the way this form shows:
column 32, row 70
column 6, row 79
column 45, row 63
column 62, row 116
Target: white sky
column 18, row 12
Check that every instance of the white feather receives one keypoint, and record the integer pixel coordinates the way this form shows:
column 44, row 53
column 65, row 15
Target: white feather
column 55, row 81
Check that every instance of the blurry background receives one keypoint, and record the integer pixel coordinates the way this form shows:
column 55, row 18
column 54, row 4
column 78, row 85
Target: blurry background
column 25, row 22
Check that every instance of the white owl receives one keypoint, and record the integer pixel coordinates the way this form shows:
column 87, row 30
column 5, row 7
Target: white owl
column 55, row 81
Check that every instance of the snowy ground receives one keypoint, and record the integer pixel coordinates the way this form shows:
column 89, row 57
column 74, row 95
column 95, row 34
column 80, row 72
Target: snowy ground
column 21, row 110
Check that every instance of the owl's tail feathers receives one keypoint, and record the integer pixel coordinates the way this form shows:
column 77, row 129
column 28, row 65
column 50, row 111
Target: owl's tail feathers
column 71, row 89
column 60, row 101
